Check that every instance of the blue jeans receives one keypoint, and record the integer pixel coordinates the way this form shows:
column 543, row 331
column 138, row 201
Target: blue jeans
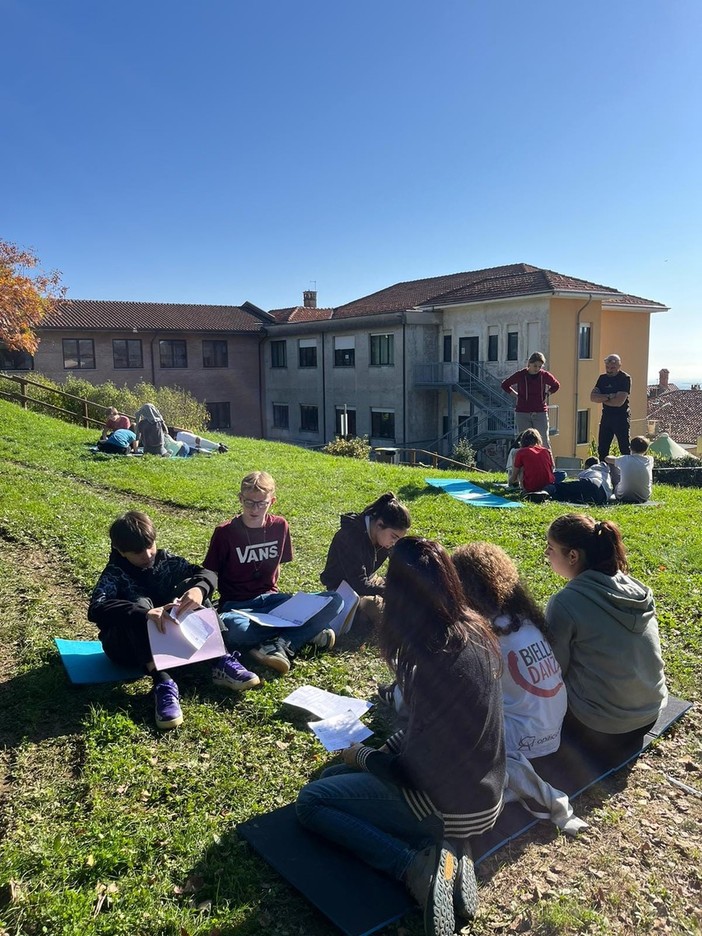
column 367, row 816
column 242, row 633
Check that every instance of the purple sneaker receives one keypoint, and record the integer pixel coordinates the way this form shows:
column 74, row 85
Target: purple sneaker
column 168, row 713
column 228, row 672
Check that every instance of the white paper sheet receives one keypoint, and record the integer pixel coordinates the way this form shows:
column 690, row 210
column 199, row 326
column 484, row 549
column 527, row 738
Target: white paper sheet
column 291, row 613
column 325, row 704
column 174, row 648
column 340, row 731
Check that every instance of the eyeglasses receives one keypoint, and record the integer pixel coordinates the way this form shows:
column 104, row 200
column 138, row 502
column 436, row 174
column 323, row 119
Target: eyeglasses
column 255, row 505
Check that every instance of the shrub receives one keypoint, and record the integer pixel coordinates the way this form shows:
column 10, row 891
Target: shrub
column 177, row 406
column 464, row 452
column 664, row 461
column 349, row 448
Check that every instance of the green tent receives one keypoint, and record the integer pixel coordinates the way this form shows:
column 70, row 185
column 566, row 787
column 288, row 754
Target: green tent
column 665, row 447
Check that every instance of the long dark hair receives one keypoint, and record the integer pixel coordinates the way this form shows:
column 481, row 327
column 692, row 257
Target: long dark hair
column 425, row 613
column 492, row 586
column 599, row 541
column 389, row 511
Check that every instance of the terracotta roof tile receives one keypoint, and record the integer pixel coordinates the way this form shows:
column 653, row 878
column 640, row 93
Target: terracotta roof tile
column 680, row 415
column 301, row 314
column 516, row 279
column 164, row 316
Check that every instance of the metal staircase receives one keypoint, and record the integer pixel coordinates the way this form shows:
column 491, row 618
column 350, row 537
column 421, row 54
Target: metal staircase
column 493, row 418
column 493, row 409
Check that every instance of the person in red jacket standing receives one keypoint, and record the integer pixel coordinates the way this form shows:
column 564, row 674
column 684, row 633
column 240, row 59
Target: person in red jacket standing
column 532, row 386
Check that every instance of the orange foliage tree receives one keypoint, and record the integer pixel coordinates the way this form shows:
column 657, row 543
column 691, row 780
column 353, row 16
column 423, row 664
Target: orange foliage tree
column 27, row 294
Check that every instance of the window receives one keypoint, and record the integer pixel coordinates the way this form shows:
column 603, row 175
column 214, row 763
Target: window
column 126, row 352
column 220, row 416
column 492, row 348
column 350, row 420
column 307, row 351
column 281, row 416
column 174, row 353
column 383, row 424
column 448, row 349
column 345, row 352
column 513, row 346
column 585, row 341
column 583, row 427
column 78, row 353
column 279, row 354
column 15, row 360
column 309, row 418
column 215, row 353
column 382, row 349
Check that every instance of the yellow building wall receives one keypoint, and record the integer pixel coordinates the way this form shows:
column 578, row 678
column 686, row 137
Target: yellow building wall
column 577, row 376
column 627, row 334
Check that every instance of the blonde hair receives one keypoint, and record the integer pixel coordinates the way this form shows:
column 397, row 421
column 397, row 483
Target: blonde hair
column 258, row 481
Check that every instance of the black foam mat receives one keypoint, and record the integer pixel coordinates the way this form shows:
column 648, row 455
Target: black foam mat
column 356, row 898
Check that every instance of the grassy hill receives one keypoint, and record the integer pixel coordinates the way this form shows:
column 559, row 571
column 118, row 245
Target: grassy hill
column 110, row 828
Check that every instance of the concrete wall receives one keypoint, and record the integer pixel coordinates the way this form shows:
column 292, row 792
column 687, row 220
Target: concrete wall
column 237, row 384
column 362, row 387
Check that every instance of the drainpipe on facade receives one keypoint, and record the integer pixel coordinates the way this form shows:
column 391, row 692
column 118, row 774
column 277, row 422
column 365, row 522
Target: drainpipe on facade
column 324, row 396
column 153, row 365
column 404, row 379
column 577, row 373
column 261, row 401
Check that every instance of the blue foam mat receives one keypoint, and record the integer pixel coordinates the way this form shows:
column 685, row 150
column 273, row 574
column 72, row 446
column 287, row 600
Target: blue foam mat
column 356, row 898
column 471, row 494
column 86, row 663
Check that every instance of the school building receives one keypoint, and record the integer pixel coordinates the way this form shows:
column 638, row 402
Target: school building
column 415, row 365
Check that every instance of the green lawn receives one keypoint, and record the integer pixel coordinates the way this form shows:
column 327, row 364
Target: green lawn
column 112, row 828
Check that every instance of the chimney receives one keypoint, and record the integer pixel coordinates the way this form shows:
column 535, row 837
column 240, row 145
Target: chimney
column 663, row 376
column 309, row 298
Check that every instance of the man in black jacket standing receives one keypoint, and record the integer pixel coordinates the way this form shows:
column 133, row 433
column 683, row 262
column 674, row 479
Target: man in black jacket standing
column 612, row 391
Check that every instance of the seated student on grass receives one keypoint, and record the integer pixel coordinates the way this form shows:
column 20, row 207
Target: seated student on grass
column 533, row 691
column 141, row 583
column 114, row 420
column 604, row 634
column 633, row 474
column 511, row 455
column 119, row 442
column 592, row 486
column 533, row 466
column 409, row 808
column 151, row 430
column 246, row 554
column 359, row 548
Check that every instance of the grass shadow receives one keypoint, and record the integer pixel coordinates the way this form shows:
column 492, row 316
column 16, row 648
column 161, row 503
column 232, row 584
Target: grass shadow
column 41, row 704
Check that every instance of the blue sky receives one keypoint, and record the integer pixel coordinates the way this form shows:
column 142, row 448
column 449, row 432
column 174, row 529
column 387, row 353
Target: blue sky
column 220, row 151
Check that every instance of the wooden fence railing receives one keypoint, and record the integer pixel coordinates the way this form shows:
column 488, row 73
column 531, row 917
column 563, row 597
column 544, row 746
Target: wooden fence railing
column 23, row 398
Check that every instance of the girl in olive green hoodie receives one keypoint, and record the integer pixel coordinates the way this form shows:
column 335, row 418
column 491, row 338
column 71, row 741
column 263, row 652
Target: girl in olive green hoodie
column 604, row 634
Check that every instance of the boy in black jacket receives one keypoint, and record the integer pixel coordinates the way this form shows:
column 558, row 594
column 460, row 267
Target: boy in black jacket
column 141, row 583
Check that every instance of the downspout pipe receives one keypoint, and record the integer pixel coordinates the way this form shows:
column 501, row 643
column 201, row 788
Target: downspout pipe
column 324, row 395
column 404, row 378
column 577, row 372
column 153, row 365
column 261, row 371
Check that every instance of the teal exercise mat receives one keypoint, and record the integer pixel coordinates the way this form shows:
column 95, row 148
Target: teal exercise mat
column 86, row 663
column 359, row 900
column 471, row 494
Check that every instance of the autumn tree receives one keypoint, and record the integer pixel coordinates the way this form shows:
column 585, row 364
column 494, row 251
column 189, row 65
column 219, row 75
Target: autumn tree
column 27, row 294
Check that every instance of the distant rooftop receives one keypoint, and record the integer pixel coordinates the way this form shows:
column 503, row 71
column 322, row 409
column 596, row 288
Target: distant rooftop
column 162, row 316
